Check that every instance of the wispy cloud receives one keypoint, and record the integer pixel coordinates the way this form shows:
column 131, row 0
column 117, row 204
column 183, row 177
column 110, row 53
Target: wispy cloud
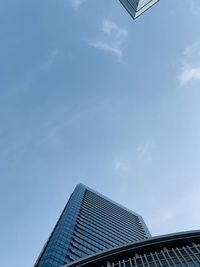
column 190, row 69
column 192, row 50
column 189, row 73
column 140, row 156
column 144, row 151
column 113, row 38
column 121, row 165
column 107, row 48
column 112, row 30
column 77, row 3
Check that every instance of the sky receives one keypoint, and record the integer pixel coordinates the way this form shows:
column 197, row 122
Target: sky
column 89, row 95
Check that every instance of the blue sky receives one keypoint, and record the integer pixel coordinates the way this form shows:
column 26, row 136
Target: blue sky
column 89, row 95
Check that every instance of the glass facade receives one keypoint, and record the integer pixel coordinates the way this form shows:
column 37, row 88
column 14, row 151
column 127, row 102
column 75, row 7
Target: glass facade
column 90, row 223
column 137, row 7
column 58, row 244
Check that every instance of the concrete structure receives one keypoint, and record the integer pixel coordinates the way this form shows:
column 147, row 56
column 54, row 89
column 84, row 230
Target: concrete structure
column 174, row 250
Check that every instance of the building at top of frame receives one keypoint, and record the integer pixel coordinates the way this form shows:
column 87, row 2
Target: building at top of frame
column 136, row 7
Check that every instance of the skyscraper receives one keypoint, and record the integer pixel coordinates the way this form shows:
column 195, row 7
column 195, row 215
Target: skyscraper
column 137, row 7
column 94, row 231
column 90, row 223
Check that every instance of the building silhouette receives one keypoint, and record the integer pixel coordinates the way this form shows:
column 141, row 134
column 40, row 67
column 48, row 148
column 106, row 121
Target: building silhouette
column 90, row 223
column 136, row 7
column 94, row 231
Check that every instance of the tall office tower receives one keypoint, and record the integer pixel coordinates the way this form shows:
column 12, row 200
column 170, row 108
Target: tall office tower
column 90, row 223
column 137, row 7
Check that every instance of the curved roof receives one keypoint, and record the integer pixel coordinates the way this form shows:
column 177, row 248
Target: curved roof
column 145, row 246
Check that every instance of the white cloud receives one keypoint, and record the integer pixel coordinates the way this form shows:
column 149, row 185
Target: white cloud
column 77, row 3
column 189, row 73
column 112, row 30
column 190, row 69
column 112, row 48
column 113, row 38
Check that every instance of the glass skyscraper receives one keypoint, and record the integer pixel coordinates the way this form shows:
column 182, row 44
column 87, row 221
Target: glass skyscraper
column 137, row 7
column 94, row 231
column 90, row 223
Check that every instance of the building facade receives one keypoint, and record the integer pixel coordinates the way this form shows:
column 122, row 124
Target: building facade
column 136, row 7
column 90, row 223
column 174, row 250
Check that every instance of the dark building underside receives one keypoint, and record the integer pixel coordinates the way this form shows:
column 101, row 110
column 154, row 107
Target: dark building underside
column 178, row 250
column 136, row 7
